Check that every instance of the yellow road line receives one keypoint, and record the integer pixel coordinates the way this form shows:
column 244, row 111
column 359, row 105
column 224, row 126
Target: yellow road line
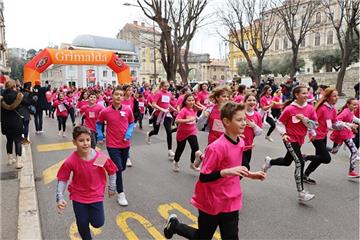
column 74, row 235
column 49, row 174
column 55, row 147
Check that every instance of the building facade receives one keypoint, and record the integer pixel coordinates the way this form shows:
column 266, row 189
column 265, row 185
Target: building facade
column 4, row 69
column 146, row 39
column 91, row 75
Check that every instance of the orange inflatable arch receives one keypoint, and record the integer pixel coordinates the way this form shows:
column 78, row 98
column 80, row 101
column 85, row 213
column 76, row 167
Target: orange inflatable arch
column 44, row 59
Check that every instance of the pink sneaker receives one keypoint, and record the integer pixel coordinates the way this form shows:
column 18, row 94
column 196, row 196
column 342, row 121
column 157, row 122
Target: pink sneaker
column 353, row 174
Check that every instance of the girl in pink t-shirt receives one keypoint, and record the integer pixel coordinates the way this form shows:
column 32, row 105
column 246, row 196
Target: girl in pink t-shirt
column 88, row 182
column 265, row 105
column 297, row 118
column 142, row 105
column 202, row 97
column 186, row 131
column 161, row 115
column 253, row 128
column 218, row 194
column 61, row 106
column 240, row 94
column 82, row 102
column 71, row 103
column 346, row 134
column 277, row 104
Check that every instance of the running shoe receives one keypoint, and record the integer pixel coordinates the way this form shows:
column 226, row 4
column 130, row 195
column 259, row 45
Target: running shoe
column 308, row 180
column 171, row 154
column 304, row 196
column 148, row 140
column 121, row 199
column 176, row 167
column 267, row 164
column 198, row 159
column 128, row 163
column 353, row 174
column 170, row 226
column 269, row 139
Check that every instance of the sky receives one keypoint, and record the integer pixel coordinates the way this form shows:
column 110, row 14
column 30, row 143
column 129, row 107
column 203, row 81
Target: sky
column 40, row 23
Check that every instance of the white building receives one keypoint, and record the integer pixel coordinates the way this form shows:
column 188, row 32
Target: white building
column 90, row 75
column 4, row 69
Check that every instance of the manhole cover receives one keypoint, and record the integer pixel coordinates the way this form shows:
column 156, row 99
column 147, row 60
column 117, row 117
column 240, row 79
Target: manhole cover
column 9, row 175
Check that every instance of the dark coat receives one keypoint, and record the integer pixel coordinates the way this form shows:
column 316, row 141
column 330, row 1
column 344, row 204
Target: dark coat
column 42, row 102
column 11, row 119
column 28, row 100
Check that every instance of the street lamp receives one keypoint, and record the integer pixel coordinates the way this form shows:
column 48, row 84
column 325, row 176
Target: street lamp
column 135, row 5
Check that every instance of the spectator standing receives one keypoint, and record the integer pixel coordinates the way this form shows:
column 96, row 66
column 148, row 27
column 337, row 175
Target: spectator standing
column 40, row 106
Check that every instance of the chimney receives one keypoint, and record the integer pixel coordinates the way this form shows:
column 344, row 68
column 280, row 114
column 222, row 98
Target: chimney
column 135, row 23
column 143, row 24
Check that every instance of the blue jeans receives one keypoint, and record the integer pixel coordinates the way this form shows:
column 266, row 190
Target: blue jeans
column 38, row 119
column 26, row 128
column 119, row 156
column 86, row 213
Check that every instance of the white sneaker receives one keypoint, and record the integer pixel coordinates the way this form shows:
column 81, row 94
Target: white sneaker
column 193, row 167
column 19, row 162
column 63, row 134
column 176, row 167
column 304, row 196
column 198, row 159
column 11, row 159
column 128, row 163
column 41, row 132
column 171, row 155
column 148, row 140
column 269, row 139
column 267, row 164
column 60, row 133
column 122, row 199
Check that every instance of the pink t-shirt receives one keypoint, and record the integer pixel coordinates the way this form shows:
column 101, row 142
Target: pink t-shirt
column 81, row 103
column 295, row 129
column 326, row 117
column 162, row 99
column 278, row 100
column 91, row 114
column 249, row 131
column 117, row 122
column 149, row 98
column 128, row 102
column 215, row 124
column 180, row 100
column 239, row 99
column 146, row 93
column 202, row 97
column 61, row 110
column 71, row 101
column 265, row 101
column 142, row 105
column 184, row 130
column 48, row 96
column 88, row 181
column 338, row 136
column 222, row 195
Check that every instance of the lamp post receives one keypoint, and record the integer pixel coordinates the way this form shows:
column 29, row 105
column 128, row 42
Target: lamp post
column 154, row 49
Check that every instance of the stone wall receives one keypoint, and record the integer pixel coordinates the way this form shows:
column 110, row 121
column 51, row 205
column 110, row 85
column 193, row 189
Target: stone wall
column 329, row 78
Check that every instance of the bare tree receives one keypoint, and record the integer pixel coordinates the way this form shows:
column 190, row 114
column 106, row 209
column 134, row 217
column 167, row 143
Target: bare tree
column 251, row 27
column 347, row 32
column 178, row 21
column 297, row 17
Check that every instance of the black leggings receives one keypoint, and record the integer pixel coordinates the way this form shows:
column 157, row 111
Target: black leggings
column 207, row 224
column 11, row 139
column 276, row 112
column 270, row 121
column 246, row 158
column 321, row 156
column 293, row 154
column 181, row 146
column 167, row 125
column 72, row 115
column 62, row 123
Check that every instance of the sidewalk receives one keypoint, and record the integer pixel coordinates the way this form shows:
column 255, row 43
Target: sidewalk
column 19, row 207
column 9, row 186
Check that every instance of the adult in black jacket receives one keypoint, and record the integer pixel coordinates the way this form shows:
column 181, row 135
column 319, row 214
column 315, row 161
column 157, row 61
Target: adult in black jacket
column 12, row 121
column 40, row 106
column 28, row 102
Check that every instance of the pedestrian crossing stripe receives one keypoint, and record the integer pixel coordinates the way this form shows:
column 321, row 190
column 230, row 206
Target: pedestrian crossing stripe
column 57, row 147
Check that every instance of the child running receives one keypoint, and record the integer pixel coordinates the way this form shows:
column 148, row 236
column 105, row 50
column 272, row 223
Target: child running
column 253, row 128
column 186, row 131
column 119, row 127
column 61, row 107
column 91, row 113
column 298, row 117
column 88, row 182
column 265, row 104
column 346, row 135
column 218, row 194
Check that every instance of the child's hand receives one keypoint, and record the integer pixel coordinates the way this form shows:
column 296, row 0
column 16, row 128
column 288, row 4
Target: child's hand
column 111, row 193
column 286, row 138
column 300, row 116
column 61, row 205
column 260, row 175
column 235, row 171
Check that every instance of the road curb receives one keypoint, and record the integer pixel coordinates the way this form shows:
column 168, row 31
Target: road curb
column 28, row 221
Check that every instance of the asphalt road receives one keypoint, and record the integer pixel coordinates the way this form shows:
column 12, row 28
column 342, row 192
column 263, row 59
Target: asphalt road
column 270, row 208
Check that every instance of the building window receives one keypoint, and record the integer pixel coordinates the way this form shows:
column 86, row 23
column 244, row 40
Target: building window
column 105, row 73
column 133, row 73
column 276, row 44
column 317, row 39
column 113, row 73
column 330, row 37
column 285, row 44
column 318, row 18
column 303, row 42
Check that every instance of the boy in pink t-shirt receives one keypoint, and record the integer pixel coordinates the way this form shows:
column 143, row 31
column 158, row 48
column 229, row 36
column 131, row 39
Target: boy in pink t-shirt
column 218, row 194
column 186, row 131
column 88, row 182
column 91, row 112
column 119, row 127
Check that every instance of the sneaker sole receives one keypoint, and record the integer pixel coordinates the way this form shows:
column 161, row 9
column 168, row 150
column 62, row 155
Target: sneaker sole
column 353, row 176
column 302, row 200
column 310, row 183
